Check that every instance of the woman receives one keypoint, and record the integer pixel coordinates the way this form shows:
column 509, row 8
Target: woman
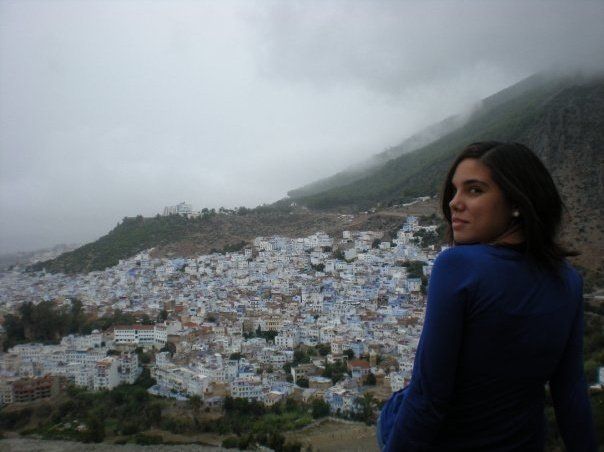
column 504, row 317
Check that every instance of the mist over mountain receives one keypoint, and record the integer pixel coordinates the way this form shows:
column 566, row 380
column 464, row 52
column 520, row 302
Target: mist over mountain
column 375, row 162
column 501, row 116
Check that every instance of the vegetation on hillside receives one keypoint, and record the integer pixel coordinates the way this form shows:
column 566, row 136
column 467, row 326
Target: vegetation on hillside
column 129, row 414
column 47, row 322
column 129, row 237
column 84, row 415
column 421, row 172
column 135, row 234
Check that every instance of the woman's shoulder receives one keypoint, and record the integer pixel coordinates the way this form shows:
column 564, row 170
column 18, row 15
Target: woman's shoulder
column 464, row 254
column 461, row 263
column 476, row 261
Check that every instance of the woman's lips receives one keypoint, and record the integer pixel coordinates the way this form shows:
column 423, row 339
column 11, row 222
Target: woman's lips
column 456, row 222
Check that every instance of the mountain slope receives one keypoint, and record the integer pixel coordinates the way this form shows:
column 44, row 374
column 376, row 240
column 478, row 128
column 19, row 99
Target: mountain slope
column 568, row 136
column 504, row 116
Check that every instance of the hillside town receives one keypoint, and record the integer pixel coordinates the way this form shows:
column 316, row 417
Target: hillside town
column 265, row 323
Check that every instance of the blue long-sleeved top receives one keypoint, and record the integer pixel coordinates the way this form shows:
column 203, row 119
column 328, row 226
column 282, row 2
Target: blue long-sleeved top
column 496, row 331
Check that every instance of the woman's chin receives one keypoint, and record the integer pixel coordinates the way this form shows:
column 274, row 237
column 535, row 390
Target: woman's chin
column 458, row 238
column 464, row 240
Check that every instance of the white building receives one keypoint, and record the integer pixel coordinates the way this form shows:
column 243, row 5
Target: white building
column 93, row 340
column 6, row 391
column 182, row 380
column 398, row 380
column 145, row 335
column 180, row 209
column 129, row 369
column 287, row 339
column 247, row 388
column 106, row 374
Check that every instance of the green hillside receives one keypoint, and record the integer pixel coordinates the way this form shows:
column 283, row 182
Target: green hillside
column 129, row 237
column 506, row 116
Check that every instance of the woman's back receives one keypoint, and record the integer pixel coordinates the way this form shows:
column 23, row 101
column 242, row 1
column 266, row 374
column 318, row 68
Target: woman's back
column 517, row 323
column 496, row 331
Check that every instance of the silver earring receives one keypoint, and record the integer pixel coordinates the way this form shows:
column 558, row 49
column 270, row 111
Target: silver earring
column 515, row 213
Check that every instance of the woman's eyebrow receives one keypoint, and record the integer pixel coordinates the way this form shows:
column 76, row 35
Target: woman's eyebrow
column 472, row 181
column 475, row 181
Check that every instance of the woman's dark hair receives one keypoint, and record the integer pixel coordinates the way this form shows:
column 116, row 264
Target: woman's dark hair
column 528, row 186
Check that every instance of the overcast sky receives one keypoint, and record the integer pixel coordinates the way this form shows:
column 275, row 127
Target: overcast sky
column 115, row 108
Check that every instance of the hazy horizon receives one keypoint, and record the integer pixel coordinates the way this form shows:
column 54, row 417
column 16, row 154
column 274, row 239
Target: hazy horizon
column 113, row 109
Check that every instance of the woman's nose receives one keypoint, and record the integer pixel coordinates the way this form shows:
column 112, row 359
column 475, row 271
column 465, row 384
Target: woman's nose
column 455, row 203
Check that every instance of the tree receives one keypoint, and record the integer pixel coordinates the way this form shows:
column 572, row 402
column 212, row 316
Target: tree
column 334, row 371
column 300, row 357
column 415, row 269
column 370, row 379
column 323, row 349
column 276, row 441
column 95, row 430
column 320, row 408
column 77, row 317
column 15, row 332
column 349, row 353
column 195, row 403
column 302, row 382
column 145, row 380
column 162, row 316
column 365, row 407
column 153, row 413
column 211, row 318
column 143, row 357
column 169, row 347
column 232, row 442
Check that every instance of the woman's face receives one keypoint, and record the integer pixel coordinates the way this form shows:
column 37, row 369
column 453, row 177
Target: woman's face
column 479, row 211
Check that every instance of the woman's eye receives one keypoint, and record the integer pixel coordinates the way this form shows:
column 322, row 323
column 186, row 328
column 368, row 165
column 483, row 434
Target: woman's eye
column 475, row 190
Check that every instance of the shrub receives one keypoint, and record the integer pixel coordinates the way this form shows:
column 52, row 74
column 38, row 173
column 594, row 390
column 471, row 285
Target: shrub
column 232, row 442
column 95, row 431
column 130, row 427
column 146, row 439
column 15, row 419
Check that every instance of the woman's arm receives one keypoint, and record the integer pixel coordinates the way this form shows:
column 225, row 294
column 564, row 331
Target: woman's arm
column 430, row 391
column 569, row 392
